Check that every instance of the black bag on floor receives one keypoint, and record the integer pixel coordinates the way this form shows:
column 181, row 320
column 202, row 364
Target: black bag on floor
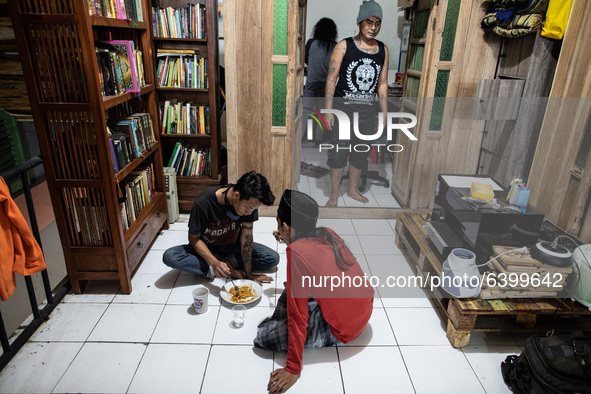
column 554, row 364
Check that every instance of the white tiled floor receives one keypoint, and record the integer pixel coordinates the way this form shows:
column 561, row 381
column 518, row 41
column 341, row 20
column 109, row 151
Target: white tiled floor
column 319, row 188
column 153, row 342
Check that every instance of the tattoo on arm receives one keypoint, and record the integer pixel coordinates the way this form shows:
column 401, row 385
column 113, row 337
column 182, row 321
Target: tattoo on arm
column 246, row 226
column 329, row 89
column 331, row 67
column 334, row 66
column 247, row 243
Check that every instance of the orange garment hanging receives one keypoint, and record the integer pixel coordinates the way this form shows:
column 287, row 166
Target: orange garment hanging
column 19, row 251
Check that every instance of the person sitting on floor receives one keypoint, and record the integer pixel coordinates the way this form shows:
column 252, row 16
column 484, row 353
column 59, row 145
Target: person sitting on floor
column 311, row 314
column 221, row 233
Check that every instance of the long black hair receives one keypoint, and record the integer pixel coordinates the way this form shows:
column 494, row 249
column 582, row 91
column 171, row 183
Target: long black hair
column 338, row 245
column 325, row 31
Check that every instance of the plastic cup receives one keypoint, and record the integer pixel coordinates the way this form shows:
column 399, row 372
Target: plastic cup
column 239, row 311
column 200, row 297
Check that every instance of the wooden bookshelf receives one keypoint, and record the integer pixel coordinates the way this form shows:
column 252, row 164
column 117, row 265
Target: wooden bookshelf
column 56, row 41
column 207, row 47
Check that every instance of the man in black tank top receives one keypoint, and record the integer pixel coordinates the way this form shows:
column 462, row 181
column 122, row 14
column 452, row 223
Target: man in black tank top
column 357, row 77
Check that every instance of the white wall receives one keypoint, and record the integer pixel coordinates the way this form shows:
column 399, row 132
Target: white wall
column 344, row 14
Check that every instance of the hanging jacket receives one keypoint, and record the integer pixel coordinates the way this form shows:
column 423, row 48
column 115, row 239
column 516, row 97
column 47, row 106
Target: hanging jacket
column 19, row 251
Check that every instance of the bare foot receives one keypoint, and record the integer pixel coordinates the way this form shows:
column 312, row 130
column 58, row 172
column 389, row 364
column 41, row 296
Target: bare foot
column 332, row 202
column 357, row 196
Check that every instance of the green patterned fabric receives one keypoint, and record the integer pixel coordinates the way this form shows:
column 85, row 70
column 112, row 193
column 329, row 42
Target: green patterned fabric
column 521, row 26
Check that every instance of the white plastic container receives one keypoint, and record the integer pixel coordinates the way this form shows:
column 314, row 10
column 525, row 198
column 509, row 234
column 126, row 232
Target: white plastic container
column 582, row 290
column 460, row 277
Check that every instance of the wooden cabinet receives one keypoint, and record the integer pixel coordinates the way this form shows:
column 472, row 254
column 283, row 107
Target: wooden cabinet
column 56, row 41
column 195, row 86
column 525, row 72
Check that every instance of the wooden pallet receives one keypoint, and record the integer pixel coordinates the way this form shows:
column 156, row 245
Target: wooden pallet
column 464, row 316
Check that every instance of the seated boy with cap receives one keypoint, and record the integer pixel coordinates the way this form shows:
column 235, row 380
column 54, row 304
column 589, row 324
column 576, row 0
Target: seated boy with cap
column 312, row 312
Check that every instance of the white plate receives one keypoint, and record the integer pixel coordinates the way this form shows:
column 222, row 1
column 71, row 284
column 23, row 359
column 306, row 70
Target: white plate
column 256, row 288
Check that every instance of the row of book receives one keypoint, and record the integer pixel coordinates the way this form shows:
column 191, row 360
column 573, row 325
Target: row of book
column 121, row 67
column 129, row 138
column 188, row 22
column 117, row 9
column 184, row 118
column 135, row 192
column 190, row 160
column 181, row 68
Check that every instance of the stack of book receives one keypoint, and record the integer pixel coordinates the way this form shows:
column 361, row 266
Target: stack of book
column 121, row 67
column 518, row 275
column 118, row 9
column 184, row 118
column 135, row 193
column 129, row 138
column 181, row 68
column 188, row 22
column 190, row 160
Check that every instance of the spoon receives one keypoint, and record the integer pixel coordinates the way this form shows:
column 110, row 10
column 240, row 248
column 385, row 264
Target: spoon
column 235, row 287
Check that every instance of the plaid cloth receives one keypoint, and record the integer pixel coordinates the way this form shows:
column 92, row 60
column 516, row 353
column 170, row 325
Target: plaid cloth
column 273, row 335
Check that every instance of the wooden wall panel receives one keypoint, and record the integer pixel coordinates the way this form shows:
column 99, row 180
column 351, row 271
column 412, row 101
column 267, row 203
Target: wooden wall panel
column 253, row 143
column 556, row 188
column 550, row 178
column 475, row 55
column 243, row 85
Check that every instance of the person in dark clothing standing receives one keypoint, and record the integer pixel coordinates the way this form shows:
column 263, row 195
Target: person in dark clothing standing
column 221, row 233
column 357, row 76
column 318, row 50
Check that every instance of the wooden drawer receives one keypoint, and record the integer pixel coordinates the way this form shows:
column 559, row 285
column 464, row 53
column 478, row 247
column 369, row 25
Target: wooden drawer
column 143, row 237
column 97, row 259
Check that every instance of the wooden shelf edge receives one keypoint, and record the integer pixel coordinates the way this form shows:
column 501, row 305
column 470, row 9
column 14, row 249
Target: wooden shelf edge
column 201, row 136
column 197, row 179
column 112, row 101
column 136, row 162
column 113, row 22
column 171, row 89
column 187, row 40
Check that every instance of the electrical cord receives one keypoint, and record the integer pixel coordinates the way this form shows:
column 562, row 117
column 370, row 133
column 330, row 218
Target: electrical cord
column 523, row 249
column 520, row 250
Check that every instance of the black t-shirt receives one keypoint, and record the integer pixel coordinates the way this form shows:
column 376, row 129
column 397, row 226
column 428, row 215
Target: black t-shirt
column 209, row 220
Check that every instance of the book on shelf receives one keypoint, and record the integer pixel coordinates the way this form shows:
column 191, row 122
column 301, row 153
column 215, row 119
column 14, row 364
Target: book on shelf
column 121, row 150
column 190, row 160
column 125, row 58
column 136, row 191
column 184, row 69
column 173, row 52
column 129, row 129
column 113, row 156
column 139, row 133
column 184, row 118
column 117, row 9
column 107, row 69
column 187, row 22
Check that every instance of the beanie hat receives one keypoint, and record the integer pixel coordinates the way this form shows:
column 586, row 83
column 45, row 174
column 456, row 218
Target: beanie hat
column 367, row 9
column 298, row 210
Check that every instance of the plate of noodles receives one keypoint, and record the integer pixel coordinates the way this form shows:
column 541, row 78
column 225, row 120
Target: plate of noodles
column 248, row 291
